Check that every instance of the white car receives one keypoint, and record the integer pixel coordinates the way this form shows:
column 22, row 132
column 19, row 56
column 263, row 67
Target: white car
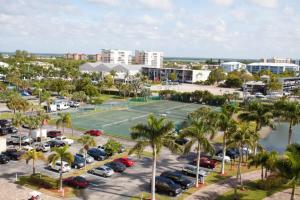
column 102, row 171
column 219, row 157
column 65, row 140
column 44, row 147
column 27, row 148
column 57, row 166
column 192, row 170
column 89, row 159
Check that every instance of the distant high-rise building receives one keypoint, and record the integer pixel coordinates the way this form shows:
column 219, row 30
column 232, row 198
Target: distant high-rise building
column 75, row 56
column 116, row 56
column 151, row 58
column 96, row 57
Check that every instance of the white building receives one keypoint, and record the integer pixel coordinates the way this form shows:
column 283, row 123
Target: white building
column 116, row 56
column 4, row 65
column 275, row 68
column 277, row 60
column 151, row 58
column 231, row 66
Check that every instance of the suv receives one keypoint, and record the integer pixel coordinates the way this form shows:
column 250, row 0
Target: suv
column 166, row 185
column 13, row 154
column 97, row 154
column 78, row 162
column 53, row 134
column 56, row 143
column 192, row 170
column 180, row 179
column 88, row 158
column 57, row 166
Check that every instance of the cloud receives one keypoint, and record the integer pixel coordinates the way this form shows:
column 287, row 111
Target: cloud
column 106, row 2
column 266, row 3
column 147, row 19
column 223, row 2
column 157, row 4
column 239, row 15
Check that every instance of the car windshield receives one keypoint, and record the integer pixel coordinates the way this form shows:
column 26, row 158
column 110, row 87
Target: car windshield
column 79, row 178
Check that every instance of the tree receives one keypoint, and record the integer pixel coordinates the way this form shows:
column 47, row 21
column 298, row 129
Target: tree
column 202, row 126
column 113, row 73
column 259, row 160
column 34, row 156
column 87, row 141
column 156, row 133
column 79, row 96
column 290, row 112
column 173, row 76
column 18, row 121
column 260, row 113
column 234, row 81
column 108, row 82
column 289, row 166
column 112, row 146
column 216, row 75
column 274, row 85
column 32, row 122
column 60, row 154
column 64, row 120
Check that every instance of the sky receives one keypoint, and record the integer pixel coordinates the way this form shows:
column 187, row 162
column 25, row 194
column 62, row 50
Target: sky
column 181, row 28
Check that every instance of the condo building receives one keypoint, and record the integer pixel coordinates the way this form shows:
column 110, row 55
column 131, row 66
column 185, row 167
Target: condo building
column 116, row 56
column 275, row 68
column 151, row 58
column 231, row 66
column 75, row 56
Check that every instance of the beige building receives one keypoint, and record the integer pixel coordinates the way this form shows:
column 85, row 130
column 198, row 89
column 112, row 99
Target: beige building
column 276, row 60
column 75, row 56
column 154, row 59
column 116, row 56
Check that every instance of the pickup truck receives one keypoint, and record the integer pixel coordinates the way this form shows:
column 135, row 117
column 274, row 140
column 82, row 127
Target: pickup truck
column 65, row 140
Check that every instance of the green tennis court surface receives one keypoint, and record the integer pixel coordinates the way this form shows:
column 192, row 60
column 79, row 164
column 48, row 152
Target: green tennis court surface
column 118, row 122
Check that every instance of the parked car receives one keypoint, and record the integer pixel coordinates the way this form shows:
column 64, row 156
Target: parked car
column 229, row 152
column 102, row 148
column 166, row 185
column 116, row 166
column 65, row 139
column 94, row 132
column 122, row 149
column 181, row 141
column 179, row 178
column 102, row 171
column 3, row 131
column 97, row 154
column 74, row 104
column 56, row 143
column 89, row 159
column 15, row 139
column 53, row 134
column 44, row 147
column 4, row 158
column 219, row 157
column 27, row 148
column 76, row 181
column 206, row 162
column 14, row 154
column 5, row 123
column 192, row 170
column 57, row 166
column 78, row 162
column 126, row 161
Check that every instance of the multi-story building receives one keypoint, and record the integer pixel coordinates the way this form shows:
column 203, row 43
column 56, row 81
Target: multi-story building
column 231, row 66
column 96, row 57
column 75, row 56
column 277, row 60
column 275, row 68
column 154, row 59
column 116, row 56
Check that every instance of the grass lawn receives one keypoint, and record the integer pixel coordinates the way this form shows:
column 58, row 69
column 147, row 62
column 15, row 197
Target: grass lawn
column 106, row 97
column 6, row 115
column 251, row 192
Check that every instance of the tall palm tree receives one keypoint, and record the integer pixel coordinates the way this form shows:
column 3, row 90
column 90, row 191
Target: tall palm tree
column 239, row 138
column 289, row 166
column 60, row 154
column 87, row 141
column 64, row 120
column 156, row 133
column 17, row 121
column 260, row 113
column 259, row 160
column 201, row 126
column 290, row 112
column 225, row 122
column 34, row 156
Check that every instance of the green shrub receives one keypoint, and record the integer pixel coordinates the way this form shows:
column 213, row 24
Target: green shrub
column 112, row 146
column 96, row 100
column 39, row 180
column 271, row 182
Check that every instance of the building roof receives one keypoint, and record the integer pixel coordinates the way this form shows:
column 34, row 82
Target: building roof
column 232, row 63
column 273, row 64
column 3, row 64
column 107, row 67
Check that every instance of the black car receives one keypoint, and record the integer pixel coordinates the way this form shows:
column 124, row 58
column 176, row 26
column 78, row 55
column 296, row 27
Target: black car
column 116, row 166
column 11, row 130
column 3, row 131
column 56, row 143
column 4, row 159
column 78, row 162
column 4, row 123
column 166, row 185
column 97, row 154
column 179, row 178
column 13, row 154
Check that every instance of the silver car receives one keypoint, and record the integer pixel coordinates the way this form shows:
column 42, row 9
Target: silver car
column 102, row 171
column 89, row 159
column 192, row 170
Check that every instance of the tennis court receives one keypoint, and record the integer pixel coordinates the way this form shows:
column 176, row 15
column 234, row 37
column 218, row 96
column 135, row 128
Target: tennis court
column 118, row 122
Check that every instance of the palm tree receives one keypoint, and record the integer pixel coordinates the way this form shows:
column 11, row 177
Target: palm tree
column 60, row 154
column 64, row 120
column 290, row 112
column 87, row 141
column 259, row 160
column 113, row 73
column 260, row 113
column 34, row 156
column 17, row 121
column 225, row 122
column 32, row 122
column 239, row 138
column 201, row 126
column 156, row 133
column 289, row 166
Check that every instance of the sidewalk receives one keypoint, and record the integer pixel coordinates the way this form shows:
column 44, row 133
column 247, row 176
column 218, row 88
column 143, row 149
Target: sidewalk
column 212, row 191
column 286, row 194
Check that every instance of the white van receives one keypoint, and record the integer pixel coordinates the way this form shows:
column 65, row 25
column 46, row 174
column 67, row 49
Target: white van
column 57, row 166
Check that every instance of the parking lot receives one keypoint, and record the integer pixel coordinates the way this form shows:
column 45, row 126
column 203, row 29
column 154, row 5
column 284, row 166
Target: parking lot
column 124, row 185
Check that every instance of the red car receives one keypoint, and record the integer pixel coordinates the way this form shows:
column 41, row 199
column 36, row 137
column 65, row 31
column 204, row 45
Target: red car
column 53, row 134
column 94, row 132
column 76, row 181
column 126, row 161
column 206, row 162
